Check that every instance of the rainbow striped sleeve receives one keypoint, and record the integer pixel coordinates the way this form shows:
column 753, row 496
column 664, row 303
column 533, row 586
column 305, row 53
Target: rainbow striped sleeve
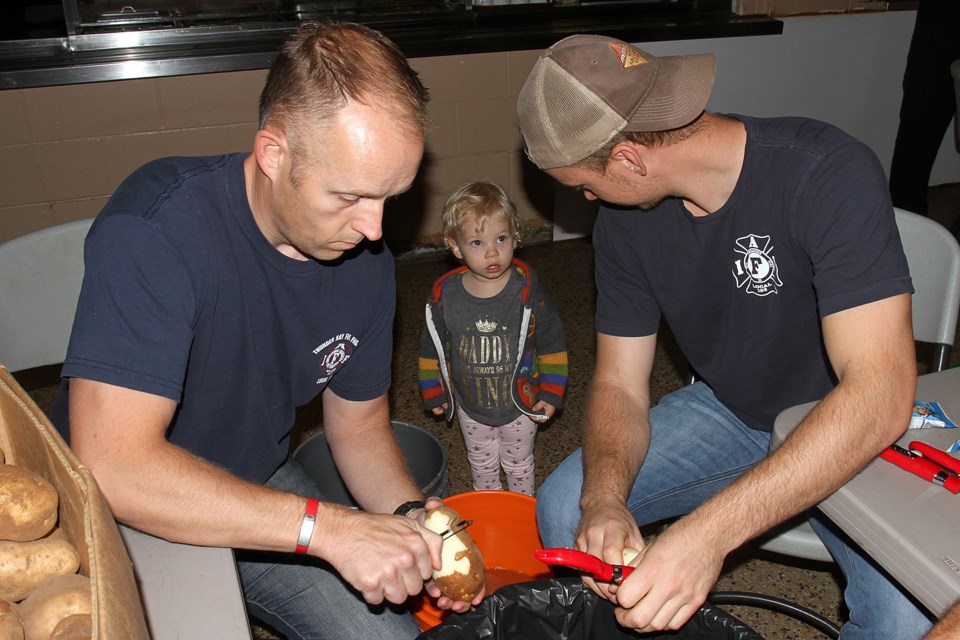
column 428, row 377
column 553, row 372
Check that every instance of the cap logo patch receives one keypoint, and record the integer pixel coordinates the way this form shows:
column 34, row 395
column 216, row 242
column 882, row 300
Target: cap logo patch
column 627, row 55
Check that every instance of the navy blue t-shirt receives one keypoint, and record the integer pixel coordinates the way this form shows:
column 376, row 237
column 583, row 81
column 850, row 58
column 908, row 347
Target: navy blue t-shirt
column 183, row 297
column 808, row 231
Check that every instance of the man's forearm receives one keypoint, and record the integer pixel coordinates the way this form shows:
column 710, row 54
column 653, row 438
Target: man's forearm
column 182, row 498
column 843, row 433
column 615, row 441
column 374, row 468
column 368, row 456
column 872, row 352
column 949, row 626
column 153, row 485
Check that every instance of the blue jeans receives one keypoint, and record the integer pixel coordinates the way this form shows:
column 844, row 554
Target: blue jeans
column 303, row 597
column 697, row 447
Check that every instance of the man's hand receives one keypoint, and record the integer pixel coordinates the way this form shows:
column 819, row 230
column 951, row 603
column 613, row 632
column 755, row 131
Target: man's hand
column 404, row 552
column 673, row 577
column 458, row 606
column 384, row 557
column 605, row 529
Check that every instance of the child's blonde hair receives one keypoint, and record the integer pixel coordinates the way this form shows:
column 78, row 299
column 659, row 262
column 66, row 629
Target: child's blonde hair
column 482, row 199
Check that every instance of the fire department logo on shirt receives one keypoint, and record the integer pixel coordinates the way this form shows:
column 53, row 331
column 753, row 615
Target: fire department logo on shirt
column 755, row 270
column 333, row 354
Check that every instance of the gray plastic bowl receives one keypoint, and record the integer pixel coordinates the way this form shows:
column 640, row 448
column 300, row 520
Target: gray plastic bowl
column 425, row 458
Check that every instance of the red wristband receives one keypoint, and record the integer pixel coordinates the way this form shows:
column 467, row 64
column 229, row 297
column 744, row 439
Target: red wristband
column 306, row 527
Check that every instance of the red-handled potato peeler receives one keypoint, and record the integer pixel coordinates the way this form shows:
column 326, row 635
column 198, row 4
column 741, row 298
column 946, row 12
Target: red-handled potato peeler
column 600, row 570
column 932, row 465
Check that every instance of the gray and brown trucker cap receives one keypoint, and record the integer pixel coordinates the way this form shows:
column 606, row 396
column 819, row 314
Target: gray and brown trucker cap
column 586, row 89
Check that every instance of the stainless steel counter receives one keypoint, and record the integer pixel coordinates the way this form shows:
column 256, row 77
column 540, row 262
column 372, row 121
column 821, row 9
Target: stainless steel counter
column 443, row 30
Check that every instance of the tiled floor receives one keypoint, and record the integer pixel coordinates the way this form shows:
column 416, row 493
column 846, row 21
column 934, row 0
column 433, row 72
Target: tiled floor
column 566, row 270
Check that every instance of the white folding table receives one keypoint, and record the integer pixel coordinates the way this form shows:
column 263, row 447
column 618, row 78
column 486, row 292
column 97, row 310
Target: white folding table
column 187, row 591
column 911, row 527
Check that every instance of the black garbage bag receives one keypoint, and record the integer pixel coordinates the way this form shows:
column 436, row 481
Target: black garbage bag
column 564, row 609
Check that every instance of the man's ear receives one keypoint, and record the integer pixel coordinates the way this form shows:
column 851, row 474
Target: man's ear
column 630, row 155
column 270, row 149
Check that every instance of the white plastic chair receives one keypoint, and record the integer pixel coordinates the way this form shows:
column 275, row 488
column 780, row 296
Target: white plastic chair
column 934, row 259
column 955, row 72
column 40, row 276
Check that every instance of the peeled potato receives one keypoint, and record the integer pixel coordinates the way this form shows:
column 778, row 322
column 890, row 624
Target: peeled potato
column 460, row 576
column 629, row 553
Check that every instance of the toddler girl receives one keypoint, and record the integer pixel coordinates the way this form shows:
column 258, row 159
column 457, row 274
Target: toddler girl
column 493, row 349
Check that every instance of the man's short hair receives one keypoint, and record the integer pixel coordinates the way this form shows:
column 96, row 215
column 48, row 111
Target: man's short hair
column 586, row 89
column 323, row 65
column 599, row 159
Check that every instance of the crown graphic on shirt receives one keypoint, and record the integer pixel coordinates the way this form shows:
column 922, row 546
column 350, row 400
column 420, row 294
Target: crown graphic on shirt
column 486, row 326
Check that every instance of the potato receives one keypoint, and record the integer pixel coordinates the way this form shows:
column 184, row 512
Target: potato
column 25, row 565
column 28, row 504
column 11, row 626
column 460, row 576
column 57, row 598
column 79, row 626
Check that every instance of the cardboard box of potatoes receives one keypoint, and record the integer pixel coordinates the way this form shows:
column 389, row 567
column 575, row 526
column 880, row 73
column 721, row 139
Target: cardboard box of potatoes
column 64, row 571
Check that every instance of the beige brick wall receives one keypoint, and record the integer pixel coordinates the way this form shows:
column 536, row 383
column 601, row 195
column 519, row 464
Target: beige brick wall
column 64, row 149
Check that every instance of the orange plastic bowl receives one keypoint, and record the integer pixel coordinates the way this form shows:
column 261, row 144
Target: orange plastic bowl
column 505, row 530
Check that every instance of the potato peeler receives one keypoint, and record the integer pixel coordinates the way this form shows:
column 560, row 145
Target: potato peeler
column 925, row 461
column 600, row 570
column 456, row 528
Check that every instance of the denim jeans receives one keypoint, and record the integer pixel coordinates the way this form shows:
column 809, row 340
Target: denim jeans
column 697, row 447
column 303, row 598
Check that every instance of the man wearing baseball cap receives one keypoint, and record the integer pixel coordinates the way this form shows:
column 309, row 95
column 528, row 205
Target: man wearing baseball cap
column 770, row 248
